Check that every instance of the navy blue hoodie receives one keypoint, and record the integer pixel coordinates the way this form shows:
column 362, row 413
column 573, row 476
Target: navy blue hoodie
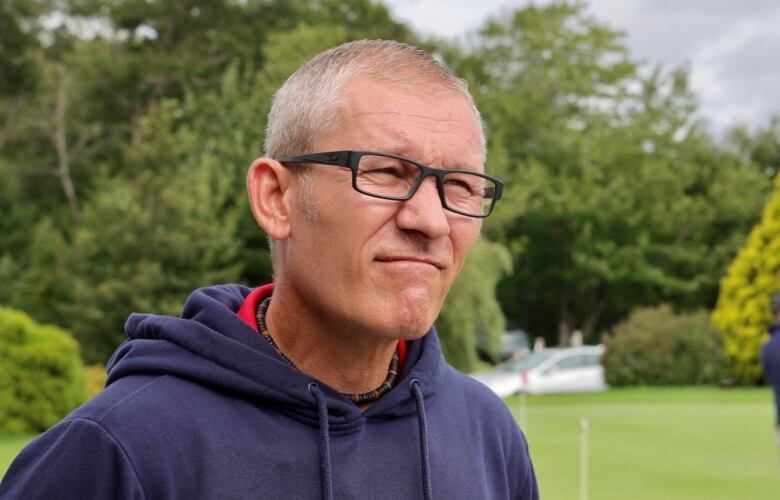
column 770, row 357
column 202, row 406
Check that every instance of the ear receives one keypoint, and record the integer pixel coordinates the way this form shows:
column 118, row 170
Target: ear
column 268, row 185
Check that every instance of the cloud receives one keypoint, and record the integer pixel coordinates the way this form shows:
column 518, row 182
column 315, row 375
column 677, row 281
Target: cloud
column 730, row 47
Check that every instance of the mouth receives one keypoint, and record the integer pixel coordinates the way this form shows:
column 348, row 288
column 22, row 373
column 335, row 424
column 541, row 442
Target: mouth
column 411, row 259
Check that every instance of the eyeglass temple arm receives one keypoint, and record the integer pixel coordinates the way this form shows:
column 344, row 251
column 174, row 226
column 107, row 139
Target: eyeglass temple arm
column 498, row 187
column 339, row 158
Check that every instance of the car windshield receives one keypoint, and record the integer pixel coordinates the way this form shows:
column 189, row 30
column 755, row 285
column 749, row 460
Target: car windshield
column 529, row 362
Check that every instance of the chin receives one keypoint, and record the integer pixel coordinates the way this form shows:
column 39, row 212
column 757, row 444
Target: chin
column 414, row 318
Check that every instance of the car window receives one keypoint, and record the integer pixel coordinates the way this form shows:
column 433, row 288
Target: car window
column 529, row 362
column 572, row 362
column 593, row 359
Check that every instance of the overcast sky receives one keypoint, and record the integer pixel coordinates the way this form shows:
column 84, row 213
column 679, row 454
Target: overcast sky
column 731, row 47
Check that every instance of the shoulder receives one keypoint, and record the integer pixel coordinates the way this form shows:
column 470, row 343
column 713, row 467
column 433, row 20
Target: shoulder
column 48, row 467
column 141, row 407
column 117, row 437
column 130, row 394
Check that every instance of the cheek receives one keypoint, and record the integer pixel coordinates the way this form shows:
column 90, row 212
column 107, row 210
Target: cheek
column 336, row 245
column 464, row 235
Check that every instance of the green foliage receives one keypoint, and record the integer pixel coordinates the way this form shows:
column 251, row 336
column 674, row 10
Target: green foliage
column 471, row 317
column 146, row 240
column 15, row 222
column 743, row 311
column 42, row 378
column 127, row 160
column 43, row 287
column 618, row 199
column 17, row 71
column 761, row 147
column 17, row 216
column 123, row 160
column 655, row 346
column 94, row 379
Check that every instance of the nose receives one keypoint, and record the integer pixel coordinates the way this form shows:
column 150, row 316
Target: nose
column 424, row 212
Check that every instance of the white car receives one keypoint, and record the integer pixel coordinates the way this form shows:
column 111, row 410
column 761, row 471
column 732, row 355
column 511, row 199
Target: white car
column 557, row 369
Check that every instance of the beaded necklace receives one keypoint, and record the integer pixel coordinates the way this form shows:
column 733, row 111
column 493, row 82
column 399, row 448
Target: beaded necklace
column 366, row 397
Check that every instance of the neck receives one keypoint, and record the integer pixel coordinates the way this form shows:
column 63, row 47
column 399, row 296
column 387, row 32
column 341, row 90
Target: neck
column 347, row 360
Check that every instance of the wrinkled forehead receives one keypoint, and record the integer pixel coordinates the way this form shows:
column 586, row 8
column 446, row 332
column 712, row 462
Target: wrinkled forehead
column 427, row 121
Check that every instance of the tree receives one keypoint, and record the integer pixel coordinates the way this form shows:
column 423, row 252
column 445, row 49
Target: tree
column 148, row 239
column 18, row 72
column 128, row 156
column 742, row 311
column 761, row 147
column 42, row 283
column 471, row 318
column 102, row 66
column 618, row 197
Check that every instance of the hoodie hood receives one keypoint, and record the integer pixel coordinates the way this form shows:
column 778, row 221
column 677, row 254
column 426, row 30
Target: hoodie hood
column 210, row 345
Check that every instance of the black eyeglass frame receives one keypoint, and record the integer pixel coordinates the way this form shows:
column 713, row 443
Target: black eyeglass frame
column 351, row 159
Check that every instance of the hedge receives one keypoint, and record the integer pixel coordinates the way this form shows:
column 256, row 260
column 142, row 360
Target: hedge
column 41, row 374
column 655, row 346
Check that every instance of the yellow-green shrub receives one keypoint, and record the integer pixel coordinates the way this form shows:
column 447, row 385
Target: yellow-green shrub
column 95, row 377
column 41, row 375
column 742, row 312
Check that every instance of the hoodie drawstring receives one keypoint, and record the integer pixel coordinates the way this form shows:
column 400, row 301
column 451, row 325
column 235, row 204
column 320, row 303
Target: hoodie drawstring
column 426, row 466
column 326, row 481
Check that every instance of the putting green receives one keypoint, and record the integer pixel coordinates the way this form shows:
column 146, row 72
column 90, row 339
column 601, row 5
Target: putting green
column 687, row 444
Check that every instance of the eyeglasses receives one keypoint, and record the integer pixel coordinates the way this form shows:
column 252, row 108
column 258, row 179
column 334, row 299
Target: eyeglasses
column 392, row 177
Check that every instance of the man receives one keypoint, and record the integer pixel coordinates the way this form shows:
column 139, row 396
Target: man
column 770, row 357
column 330, row 382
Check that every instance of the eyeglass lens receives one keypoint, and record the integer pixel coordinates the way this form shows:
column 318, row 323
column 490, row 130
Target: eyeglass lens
column 385, row 176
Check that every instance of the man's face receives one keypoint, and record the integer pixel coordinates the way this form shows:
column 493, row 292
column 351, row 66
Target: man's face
column 385, row 266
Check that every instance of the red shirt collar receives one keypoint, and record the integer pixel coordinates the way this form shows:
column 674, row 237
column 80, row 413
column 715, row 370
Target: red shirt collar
column 248, row 308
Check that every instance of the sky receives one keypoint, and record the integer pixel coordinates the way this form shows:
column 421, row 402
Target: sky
column 730, row 47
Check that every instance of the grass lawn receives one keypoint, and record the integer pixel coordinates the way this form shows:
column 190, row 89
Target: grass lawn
column 10, row 446
column 669, row 444
column 655, row 443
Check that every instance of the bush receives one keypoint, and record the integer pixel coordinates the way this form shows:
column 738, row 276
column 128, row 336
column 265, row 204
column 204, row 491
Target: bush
column 742, row 313
column 95, row 376
column 655, row 346
column 41, row 379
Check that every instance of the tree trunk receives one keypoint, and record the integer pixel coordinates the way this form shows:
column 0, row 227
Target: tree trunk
column 61, row 145
column 592, row 319
column 565, row 324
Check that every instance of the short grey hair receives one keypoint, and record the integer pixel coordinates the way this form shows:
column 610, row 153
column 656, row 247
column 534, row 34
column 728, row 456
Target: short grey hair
column 307, row 105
